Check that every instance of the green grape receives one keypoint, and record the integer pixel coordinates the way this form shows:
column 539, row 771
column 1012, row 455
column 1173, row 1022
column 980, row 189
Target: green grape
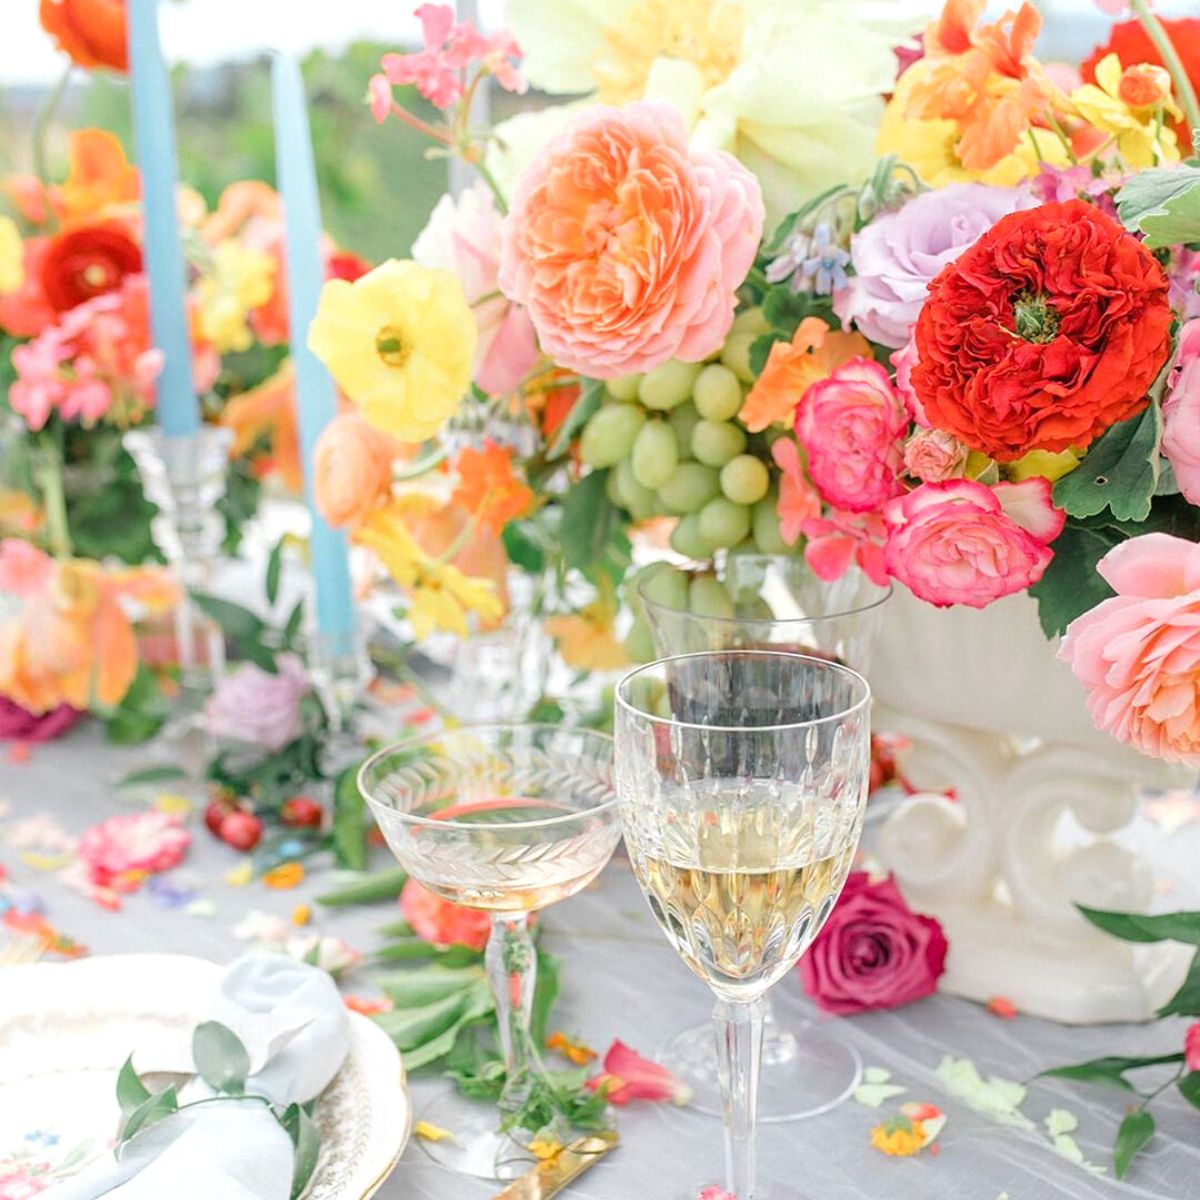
column 750, row 320
column 640, row 501
column 655, row 454
column 638, row 643
column 608, row 437
column 717, row 393
column 690, row 488
column 735, row 354
column 707, row 597
column 765, row 523
column 612, row 490
column 683, row 420
column 714, row 443
column 745, row 479
column 686, row 539
column 723, row 523
column 625, row 387
column 663, row 585
column 753, row 608
column 668, row 385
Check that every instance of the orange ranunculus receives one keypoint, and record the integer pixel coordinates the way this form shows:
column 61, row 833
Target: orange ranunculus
column 488, row 487
column 28, row 195
column 100, row 176
column 70, row 640
column 352, row 469
column 92, row 32
column 267, row 414
column 88, row 261
column 26, row 311
column 239, row 204
column 813, row 353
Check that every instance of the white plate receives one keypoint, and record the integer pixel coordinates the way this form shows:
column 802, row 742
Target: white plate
column 65, row 1030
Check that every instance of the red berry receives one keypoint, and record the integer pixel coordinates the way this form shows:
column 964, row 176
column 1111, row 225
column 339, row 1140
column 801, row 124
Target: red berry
column 214, row 814
column 242, row 830
column 302, row 812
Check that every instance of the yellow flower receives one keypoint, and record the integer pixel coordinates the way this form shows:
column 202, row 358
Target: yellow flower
column 586, row 640
column 12, row 256
column 240, row 280
column 1144, row 136
column 898, row 1137
column 400, row 342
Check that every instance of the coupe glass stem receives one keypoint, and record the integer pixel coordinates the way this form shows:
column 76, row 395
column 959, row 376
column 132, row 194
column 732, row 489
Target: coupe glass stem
column 512, row 971
column 739, row 1029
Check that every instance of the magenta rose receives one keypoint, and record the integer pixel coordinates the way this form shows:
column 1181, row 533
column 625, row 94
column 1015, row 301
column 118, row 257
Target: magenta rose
column 252, row 705
column 1181, row 414
column 874, row 951
column 852, row 425
column 959, row 542
column 20, row 725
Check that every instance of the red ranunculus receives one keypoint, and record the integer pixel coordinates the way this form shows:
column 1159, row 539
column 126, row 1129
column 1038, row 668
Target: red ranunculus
column 1130, row 42
column 86, row 262
column 92, row 32
column 1048, row 330
column 874, row 951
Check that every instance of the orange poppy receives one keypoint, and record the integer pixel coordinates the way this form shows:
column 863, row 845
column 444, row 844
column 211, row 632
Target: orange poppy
column 92, row 32
column 100, row 176
column 488, row 487
column 86, row 262
column 267, row 414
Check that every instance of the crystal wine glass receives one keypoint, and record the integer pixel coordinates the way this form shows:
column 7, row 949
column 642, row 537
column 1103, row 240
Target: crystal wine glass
column 506, row 819
column 775, row 603
column 742, row 782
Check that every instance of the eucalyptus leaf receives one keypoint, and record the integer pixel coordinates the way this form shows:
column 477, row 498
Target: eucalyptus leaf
column 152, row 1110
column 292, row 629
column 131, row 1091
column 221, row 1059
column 1120, row 472
column 274, row 571
column 306, row 1141
column 1135, row 1131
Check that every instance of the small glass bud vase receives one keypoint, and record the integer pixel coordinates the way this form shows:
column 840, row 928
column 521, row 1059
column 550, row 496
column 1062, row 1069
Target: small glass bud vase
column 339, row 670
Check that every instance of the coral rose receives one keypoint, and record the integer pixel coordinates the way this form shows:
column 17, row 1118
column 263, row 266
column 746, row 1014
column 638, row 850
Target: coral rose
column 442, row 922
column 1138, row 653
column 852, row 425
column 92, row 32
column 1181, row 414
column 959, row 542
column 625, row 246
column 933, row 455
column 352, row 469
column 1048, row 330
column 874, row 951
column 86, row 262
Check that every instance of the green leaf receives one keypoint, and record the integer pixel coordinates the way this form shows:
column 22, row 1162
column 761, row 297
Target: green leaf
column 349, row 821
column 522, row 550
column 415, row 949
column 370, row 889
column 1110, row 1071
column 1071, row 585
column 143, row 711
column 157, row 1108
column 1164, row 204
column 1135, row 1131
column 426, row 1034
column 306, row 1140
column 545, row 992
column 593, row 539
column 292, row 629
column 163, row 774
column 237, row 623
column 1120, row 472
column 428, row 985
column 1142, row 927
column 760, row 349
column 274, row 570
column 1186, row 1001
column 591, row 395
column 221, row 1059
column 131, row 1091
column 1189, row 1087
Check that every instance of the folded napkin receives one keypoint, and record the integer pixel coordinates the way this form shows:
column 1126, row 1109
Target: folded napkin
column 292, row 1021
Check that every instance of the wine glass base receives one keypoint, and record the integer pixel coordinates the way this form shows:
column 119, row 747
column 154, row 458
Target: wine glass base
column 476, row 1146
column 805, row 1070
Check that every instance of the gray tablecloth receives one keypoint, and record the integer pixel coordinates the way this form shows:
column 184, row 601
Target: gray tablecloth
column 620, row 979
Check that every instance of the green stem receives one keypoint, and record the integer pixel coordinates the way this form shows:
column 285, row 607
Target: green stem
column 41, row 127
column 486, row 175
column 1179, row 76
column 758, row 279
column 48, row 476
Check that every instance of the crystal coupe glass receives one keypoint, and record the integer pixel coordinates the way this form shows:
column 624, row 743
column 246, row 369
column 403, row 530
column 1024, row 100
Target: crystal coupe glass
column 506, row 819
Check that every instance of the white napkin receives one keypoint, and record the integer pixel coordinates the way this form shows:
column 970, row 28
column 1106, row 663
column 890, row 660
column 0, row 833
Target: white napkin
column 291, row 1020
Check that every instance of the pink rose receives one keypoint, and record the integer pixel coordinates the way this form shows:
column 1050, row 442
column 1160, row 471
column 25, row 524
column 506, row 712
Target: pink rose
column 874, row 951
column 903, row 361
column 1138, row 653
column 1181, row 414
column 442, row 922
column 626, row 245
column 1191, row 1046
column 852, row 425
column 959, row 542
column 146, row 841
column 252, row 705
column 933, row 455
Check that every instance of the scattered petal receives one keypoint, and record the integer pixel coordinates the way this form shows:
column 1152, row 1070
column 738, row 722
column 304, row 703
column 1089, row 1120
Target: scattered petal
column 201, row 908
column 628, row 1076
column 428, row 1132
column 302, row 914
column 1003, row 1007
column 241, row 874
column 368, row 1006
column 545, row 1149
column 872, row 1095
column 45, row 862
column 572, row 1050
column 1059, row 1120
column 285, row 876
column 876, row 1075
column 715, row 1193
column 173, row 804
column 994, row 1097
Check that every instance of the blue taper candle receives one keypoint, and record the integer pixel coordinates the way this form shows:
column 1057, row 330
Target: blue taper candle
column 154, row 136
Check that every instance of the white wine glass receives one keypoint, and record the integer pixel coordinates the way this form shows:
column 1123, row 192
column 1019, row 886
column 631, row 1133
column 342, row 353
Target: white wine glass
column 742, row 782
column 768, row 602
column 506, row 819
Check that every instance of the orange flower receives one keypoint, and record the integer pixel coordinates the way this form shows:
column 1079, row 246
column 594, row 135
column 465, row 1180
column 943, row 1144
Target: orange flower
column 586, row 640
column 572, row 1050
column 25, row 312
column 488, row 488
column 239, row 204
column 100, row 176
column 92, row 32
column 267, row 414
column 352, row 469
column 814, row 353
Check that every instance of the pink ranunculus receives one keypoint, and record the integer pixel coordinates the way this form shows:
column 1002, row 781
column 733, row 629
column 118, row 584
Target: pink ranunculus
column 959, row 542
column 1138, row 653
column 903, row 360
column 1181, row 414
column 629, row 1076
column 799, row 501
column 852, row 425
column 21, row 725
column 252, row 705
column 463, row 236
column 627, row 246
column 1184, row 274
column 1191, row 1046
column 933, row 455
column 441, row 922
column 874, row 951
column 134, row 842
column 840, row 540
column 897, row 254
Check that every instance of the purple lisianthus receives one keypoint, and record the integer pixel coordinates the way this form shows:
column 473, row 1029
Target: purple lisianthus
column 20, row 725
column 898, row 254
column 251, row 705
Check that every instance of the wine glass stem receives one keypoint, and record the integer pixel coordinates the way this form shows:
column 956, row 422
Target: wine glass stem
column 512, row 972
column 739, row 1030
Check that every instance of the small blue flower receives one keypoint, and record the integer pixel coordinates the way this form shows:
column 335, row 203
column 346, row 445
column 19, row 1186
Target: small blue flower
column 825, row 268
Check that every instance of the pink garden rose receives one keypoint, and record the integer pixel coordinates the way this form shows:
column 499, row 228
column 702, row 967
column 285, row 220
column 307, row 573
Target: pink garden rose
column 933, row 455
column 959, row 542
column 251, row 705
column 852, row 425
column 626, row 245
column 1191, row 1046
column 1181, row 414
column 21, row 725
column 1138, row 653
column 441, row 922
column 874, row 951
column 134, row 842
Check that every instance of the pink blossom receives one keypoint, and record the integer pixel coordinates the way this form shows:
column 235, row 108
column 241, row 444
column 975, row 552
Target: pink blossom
column 441, row 922
column 252, row 705
column 932, row 455
column 1181, row 414
column 1184, row 274
column 1138, row 653
column 135, row 842
column 24, row 570
column 903, row 361
column 799, row 501
column 852, row 425
column 1191, row 1046
column 840, row 540
column 715, row 1193
column 628, row 1076
column 379, row 96
column 1054, row 184
column 959, row 542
